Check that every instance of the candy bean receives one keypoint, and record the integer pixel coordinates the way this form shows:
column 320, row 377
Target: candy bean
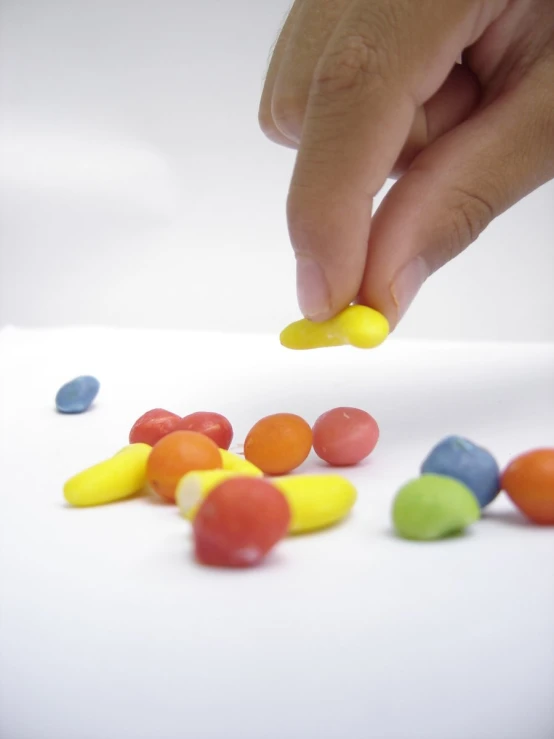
column 193, row 487
column 239, row 523
column 238, row 464
column 113, row 479
column 214, row 425
column 465, row 461
column 357, row 325
column 529, row 482
column 279, row 443
column 433, row 507
column 78, row 395
column 175, row 455
column 316, row 501
column 153, row 426
column 345, row 436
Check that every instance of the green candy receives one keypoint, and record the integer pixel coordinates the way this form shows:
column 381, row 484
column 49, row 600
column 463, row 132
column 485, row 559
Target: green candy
column 434, row 507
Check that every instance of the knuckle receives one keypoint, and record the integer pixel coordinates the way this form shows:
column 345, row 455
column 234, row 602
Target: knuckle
column 299, row 210
column 471, row 214
column 358, row 61
column 288, row 113
column 546, row 103
column 299, row 220
column 307, row 227
column 266, row 122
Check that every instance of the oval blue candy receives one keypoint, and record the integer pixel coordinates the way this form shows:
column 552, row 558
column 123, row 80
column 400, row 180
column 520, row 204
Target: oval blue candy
column 78, row 395
column 463, row 460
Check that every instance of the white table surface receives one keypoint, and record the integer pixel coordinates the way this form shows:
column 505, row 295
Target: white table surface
column 109, row 630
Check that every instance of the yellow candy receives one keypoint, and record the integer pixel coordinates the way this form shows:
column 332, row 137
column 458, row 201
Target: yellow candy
column 357, row 325
column 234, row 463
column 316, row 501
column 193, row 487
column 113, row 479
column 132, row 448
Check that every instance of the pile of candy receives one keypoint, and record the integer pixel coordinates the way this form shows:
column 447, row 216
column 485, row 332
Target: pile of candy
column 241, row 507
column 459, row 479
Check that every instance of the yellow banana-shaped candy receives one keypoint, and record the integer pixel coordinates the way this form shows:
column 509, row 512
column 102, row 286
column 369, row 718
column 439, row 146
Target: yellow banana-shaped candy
column 234, row 463
column 316, row 501
column 357, row 325
column 193, row 487
column 113, row 479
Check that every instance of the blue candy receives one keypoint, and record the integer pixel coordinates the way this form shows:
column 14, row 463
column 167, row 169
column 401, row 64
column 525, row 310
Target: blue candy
column 78, row 395
column 462, row 460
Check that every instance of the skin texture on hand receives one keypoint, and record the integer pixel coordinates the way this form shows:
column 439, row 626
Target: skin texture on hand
column 372, row 89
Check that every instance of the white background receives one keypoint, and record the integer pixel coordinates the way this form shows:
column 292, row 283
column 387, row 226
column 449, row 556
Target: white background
column 110, row 630
column 136, row 188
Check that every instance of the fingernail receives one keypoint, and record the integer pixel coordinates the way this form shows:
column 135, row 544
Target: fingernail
column 312, row 288
column 407, row 284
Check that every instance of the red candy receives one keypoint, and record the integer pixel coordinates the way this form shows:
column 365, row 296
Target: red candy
column 239, row 522
column 213, row 425
column 345, row 436
column 153, row 426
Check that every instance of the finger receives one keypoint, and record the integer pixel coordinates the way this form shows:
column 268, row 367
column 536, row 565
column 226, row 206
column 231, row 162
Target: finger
column 294, row 60
column 455, row 188
column 452, row 104
column 265, row 116
column 315, row 23
column 367, row 87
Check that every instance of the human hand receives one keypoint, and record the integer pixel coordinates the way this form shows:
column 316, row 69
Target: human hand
column 369, row 89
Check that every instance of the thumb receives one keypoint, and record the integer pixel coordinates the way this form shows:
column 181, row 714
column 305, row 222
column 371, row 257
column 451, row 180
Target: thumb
column 454, row 189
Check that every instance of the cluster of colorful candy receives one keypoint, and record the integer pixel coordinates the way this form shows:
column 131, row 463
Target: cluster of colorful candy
column 239, row 507
column 459, row 478
column 238, row 515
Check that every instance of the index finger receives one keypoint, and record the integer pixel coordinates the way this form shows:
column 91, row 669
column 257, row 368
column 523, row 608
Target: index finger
column 384, row 60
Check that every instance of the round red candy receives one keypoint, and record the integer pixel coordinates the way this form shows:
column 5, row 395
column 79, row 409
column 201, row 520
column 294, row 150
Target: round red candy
column 345, row 436
column 153, row 426
column 239, row 522
column 213, row 425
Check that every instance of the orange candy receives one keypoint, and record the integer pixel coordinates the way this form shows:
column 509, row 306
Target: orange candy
column 529, row 482
column 175, row 455
column 279, row 443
